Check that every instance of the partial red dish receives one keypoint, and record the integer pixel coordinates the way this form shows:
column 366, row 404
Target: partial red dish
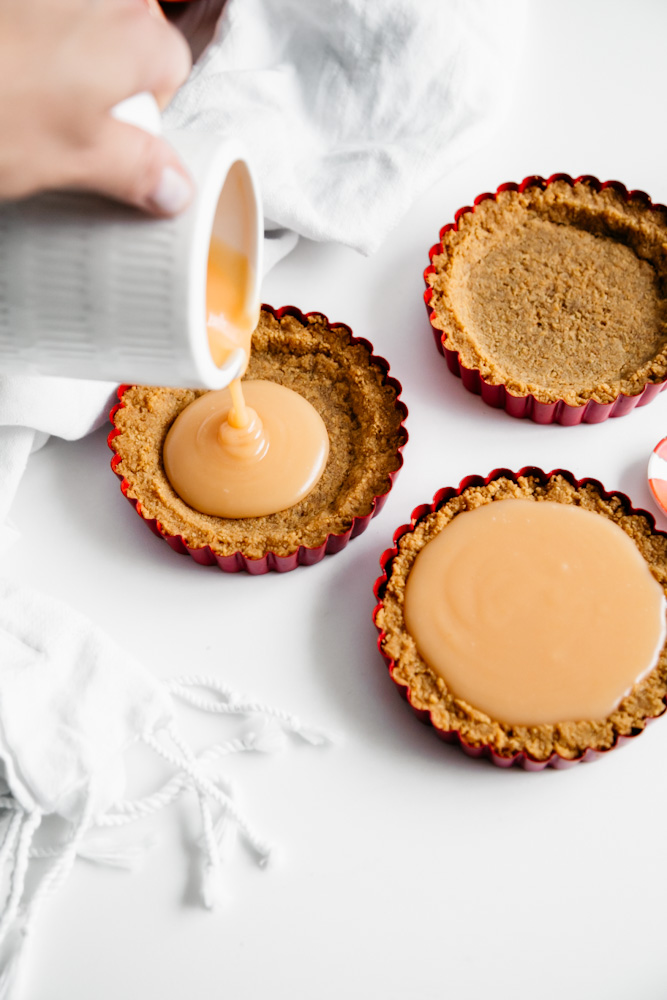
column 302, row 555
column 391, row 632
column 497, row 395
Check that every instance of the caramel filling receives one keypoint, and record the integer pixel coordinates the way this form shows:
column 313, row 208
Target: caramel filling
column 231, row 316
column 265, row 465
column 535, row 612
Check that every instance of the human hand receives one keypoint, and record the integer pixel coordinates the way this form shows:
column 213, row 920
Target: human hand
column 63, row 65
column 196, row 21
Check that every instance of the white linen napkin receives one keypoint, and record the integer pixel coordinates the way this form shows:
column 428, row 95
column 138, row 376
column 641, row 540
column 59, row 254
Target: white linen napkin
column 351, row 109
column 31, row 409
column 72, row 703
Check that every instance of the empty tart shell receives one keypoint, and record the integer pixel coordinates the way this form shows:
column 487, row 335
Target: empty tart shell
column 532, row 747
column 549, row 298
column 359, row 402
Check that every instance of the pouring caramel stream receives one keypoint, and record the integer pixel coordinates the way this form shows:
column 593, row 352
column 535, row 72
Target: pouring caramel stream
column 244, row 451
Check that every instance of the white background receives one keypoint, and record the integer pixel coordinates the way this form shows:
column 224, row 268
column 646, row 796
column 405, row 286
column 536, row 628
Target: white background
column 404, row 868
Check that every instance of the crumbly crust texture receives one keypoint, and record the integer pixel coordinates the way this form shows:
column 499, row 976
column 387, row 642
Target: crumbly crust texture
column 428, row 692
column 558, row 293
column 356, row 403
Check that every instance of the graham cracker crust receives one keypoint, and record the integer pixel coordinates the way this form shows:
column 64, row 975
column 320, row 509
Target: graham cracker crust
column 559, row 293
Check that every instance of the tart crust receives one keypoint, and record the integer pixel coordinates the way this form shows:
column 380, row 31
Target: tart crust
column 429, row 693
column 557, row 292
column 340, row 377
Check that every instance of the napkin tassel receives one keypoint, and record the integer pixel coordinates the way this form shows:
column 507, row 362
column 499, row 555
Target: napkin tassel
column 223, row 701
column 19, row 915
column 209, row 793
column 105, row 852
column 214, row 796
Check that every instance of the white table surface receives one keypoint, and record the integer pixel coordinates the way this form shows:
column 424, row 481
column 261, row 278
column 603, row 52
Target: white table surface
column 404, row 868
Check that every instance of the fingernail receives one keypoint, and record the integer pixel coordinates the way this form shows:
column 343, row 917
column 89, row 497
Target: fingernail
column 173, row 192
